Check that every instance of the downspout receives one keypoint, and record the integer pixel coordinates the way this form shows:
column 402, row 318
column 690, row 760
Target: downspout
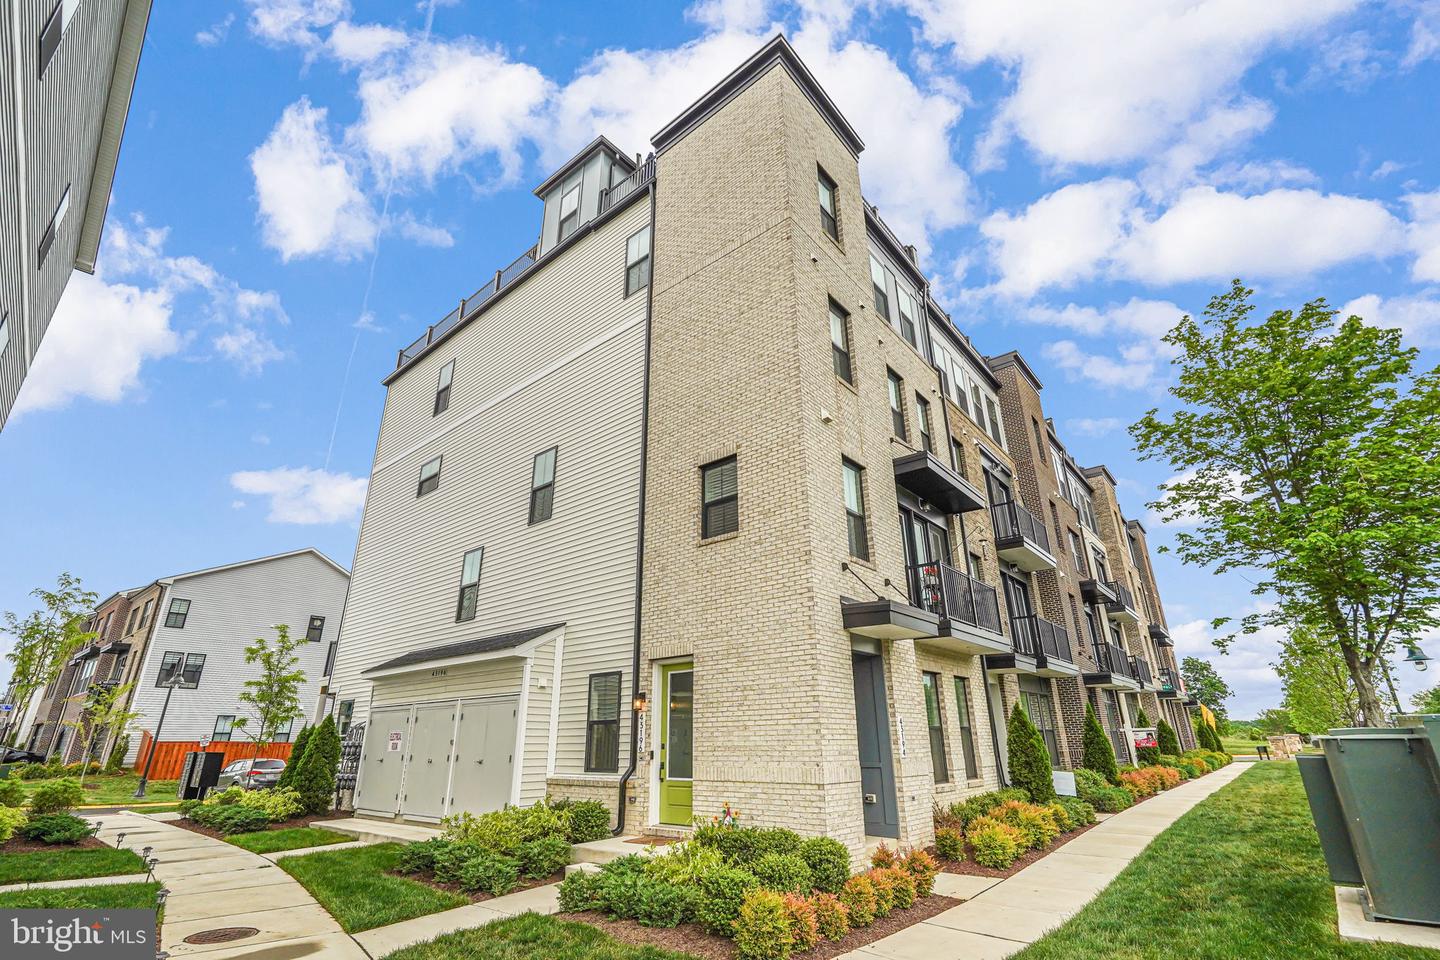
column 640, row 536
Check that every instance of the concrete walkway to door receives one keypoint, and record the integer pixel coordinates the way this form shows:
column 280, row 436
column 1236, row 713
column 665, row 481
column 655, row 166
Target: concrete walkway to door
column 1003, row 917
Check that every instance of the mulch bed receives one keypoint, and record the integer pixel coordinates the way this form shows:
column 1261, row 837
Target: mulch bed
column 186, row 823
column 476, row 896
column 693, row 939
column 970, row 868
column 19, row 844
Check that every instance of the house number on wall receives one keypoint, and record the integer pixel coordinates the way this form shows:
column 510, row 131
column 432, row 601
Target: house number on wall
column 900, row 735
column 438, row 673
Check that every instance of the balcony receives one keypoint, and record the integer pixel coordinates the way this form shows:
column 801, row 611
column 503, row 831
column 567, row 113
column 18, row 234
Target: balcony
column 887, row 619
column 1114, row 669
column 1140, row 670
column 1169, row 685
column 1021, row 537
column 1122, row 608
column 1160, row 635
column 1046, row 643
column 968, row 610
column 932, row 480
column 1097, row 591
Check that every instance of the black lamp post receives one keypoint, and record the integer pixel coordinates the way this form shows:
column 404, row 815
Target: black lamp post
column 150, row 759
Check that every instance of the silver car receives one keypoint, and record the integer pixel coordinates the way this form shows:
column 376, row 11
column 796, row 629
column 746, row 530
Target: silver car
column 250, row 774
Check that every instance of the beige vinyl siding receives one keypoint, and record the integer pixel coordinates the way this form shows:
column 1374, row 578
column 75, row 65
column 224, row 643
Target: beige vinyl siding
column 494, row 678
column 535, row 756
column 558, row 363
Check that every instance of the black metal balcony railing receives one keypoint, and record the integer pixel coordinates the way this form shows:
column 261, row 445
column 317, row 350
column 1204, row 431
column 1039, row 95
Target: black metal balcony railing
column 1167, row 679
column 1111, row 659
column 614, row 194
column 1035, row 635
column 1125, row 598
column 955, row 596
column 1140, row 670
column 1013, row 521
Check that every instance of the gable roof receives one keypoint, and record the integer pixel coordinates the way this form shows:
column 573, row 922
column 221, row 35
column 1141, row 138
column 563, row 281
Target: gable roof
column 246, row 563
column 599, row 143
column 496, row 643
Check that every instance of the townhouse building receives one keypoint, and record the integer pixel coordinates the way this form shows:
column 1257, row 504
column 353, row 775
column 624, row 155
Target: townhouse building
column 705, row 500
column 68, row 72
column 195, row 625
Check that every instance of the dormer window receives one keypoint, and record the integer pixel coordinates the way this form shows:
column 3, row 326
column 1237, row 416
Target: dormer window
column 569, row 210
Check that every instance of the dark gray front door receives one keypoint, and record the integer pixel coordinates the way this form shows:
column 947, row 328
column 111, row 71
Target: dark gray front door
column 872, row 727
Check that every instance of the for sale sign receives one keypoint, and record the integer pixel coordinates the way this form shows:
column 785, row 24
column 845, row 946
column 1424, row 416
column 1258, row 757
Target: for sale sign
column 1145, row 737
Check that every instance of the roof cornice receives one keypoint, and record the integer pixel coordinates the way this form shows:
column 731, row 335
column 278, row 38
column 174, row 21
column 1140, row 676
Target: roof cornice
column 1013, row 358
column 777, row 52
column 599, row 143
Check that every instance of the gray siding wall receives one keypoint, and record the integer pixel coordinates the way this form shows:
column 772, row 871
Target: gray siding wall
column 228, row 610
column 12, row 248
column 558, row 363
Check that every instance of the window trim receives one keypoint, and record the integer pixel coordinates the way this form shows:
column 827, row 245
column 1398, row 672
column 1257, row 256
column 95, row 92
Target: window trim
column 183, row 660
column 895, row 386
column 966, row 725
column 591, row 724
column 939, row 759
column 560, row 232
column 537, row 489
column 857, row 523
column 344, row 716
column 881, row 290
column 824, row 182
column 841, row 355
column 469, row 587
column 922, row 414
column 433, row 479
column 707, row 505
column 444, row 382
column 642, row 261
column 311, row 628
column 225, row 736
column 171, row 614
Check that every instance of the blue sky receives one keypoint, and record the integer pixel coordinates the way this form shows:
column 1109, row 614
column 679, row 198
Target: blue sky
column 304, row 186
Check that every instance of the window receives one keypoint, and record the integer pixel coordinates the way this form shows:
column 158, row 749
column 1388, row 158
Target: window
column 1090, row 625
column 47, row 239
column 977, row 568
column 878, row 275
column 855, row 527
column 118, row 670
column 4, row 332
column 906, row 302
column 994, row 421
column 429, row 477
column 967, row 734
column 53, row 30
column 720, row 498
column 130, row 622
column 1101, row 571
column 570, row 210
column 897, row 404
column 315, row 630
column 840, row 344
column 1039, row 438
column 602, row 724
column 224, row 727
column 469, row 584
column 178, row 613
column 330, row 659
column 957, row 455
column 145, row 613
column 637, row 261
column 542, row 485
column 1058, row 462
column 934, row 719
column 829, row 213
column 922, row 413
column 442, row 388
column 345, row 715
column 281, row 736
column 1038, row 705
column 1077, row 553
column 188, row 666
column 83, row 675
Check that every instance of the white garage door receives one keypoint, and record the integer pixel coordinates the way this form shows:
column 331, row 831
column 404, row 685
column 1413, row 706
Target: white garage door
column 484, row 756
column 382, row 761
column 427, row 762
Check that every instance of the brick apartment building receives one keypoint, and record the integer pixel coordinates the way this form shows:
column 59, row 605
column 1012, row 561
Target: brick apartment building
column 704, row 500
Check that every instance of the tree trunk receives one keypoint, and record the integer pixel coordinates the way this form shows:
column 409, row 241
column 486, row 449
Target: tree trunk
column 1372, row 711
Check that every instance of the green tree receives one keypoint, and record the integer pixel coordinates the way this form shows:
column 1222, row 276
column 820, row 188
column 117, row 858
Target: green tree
column 1140, row 719
column 1096, row 751
column 1166, row 738
column 1307, row 451
column 1029, row 757
column 103, row 712
column 1427, row 701
column 44, row 639
column 297, row 750
column 1319, row 693
column 1275, row 721
column 272, row 697
column 315, row 779
column 1205, row 684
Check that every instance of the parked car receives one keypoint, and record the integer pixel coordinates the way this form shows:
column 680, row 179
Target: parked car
column 16, row 755
column 251, row 774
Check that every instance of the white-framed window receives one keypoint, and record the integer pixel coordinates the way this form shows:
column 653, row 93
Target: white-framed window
column 542, row 485
column 883, row 281
column 570, row 210
column 465, row 606
column 429, row 477
column 907, row 313
column 856, row 526
column 637, row 261
column 442, row 388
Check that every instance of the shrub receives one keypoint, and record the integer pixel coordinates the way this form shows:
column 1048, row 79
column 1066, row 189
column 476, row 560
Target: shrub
column 419, row 857
column 297, row 750
column 233, row 818
column 490, row 873
column 923, row 869
column 1029, row 758
column 858, row 897
column 744, row 845
column 982, row 803
column 1081, row 814
column 804, row 923
column 498, row 831
column 11, row 819
column 11, row 793
column 996, row 844
column 1147, row 755
column 315, row 780
column 55, row 828
column 832, row 916
column 1096, row 752
column 278, row 804
column 56, row 796
column 577, row 892
column 1097, row 792
column 722, row 892
column 1061, row 816
column 539, row 821
column 684, row 864
column 829, row 863
column 540, row 858
column 950, row 844
column 1141, row 720
column 116, row 761
column 882, row 881
column 948, row 818
column 586, row 821
column 762, row 928
column 185, row 807
column 883, row 856
column 228, row 795
column 1036, row 824
column 782, row 872
column 450, row 859
column 1165, row 737
column 902, row 887
column 663, row 904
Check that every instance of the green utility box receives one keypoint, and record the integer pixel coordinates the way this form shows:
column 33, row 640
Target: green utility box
column 1387, row 782
column 1329, row 819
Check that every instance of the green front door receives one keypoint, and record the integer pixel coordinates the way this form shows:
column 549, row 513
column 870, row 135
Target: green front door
column 677, row 740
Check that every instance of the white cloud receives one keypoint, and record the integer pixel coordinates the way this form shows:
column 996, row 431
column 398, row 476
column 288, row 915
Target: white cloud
column 297, row 22
column 1221, row 130
column 1418, row 316
column 1425, row 235
column 101, row 335
column 248, row 348
column 1424, row 35
column 1110, row 82
column 1134, row 329
column 310, row 202
column 1233, row 485
column 356, row 44
column 1062, row 238
column 423, row 233
column 1093, row 426
column 1247, row 666
column 450, row 104
column 304, row 494
column 1133, row 369
column 745, row 15
column 215, row 34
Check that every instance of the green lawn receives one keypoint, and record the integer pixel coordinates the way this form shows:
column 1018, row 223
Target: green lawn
column 116, row 896
column 1237, row 746
column 292, row 838
column 1238, row 876
column 104, row 790
column 64, row 863
column 356, row 888
column 531, row 937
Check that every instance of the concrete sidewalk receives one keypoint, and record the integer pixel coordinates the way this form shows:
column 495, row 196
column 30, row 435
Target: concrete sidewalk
column 1003, row 917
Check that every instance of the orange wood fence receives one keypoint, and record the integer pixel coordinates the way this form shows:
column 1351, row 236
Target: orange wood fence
column 170, row 754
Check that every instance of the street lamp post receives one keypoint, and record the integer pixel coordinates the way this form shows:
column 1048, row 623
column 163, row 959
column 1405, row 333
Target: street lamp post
column 150, row 759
